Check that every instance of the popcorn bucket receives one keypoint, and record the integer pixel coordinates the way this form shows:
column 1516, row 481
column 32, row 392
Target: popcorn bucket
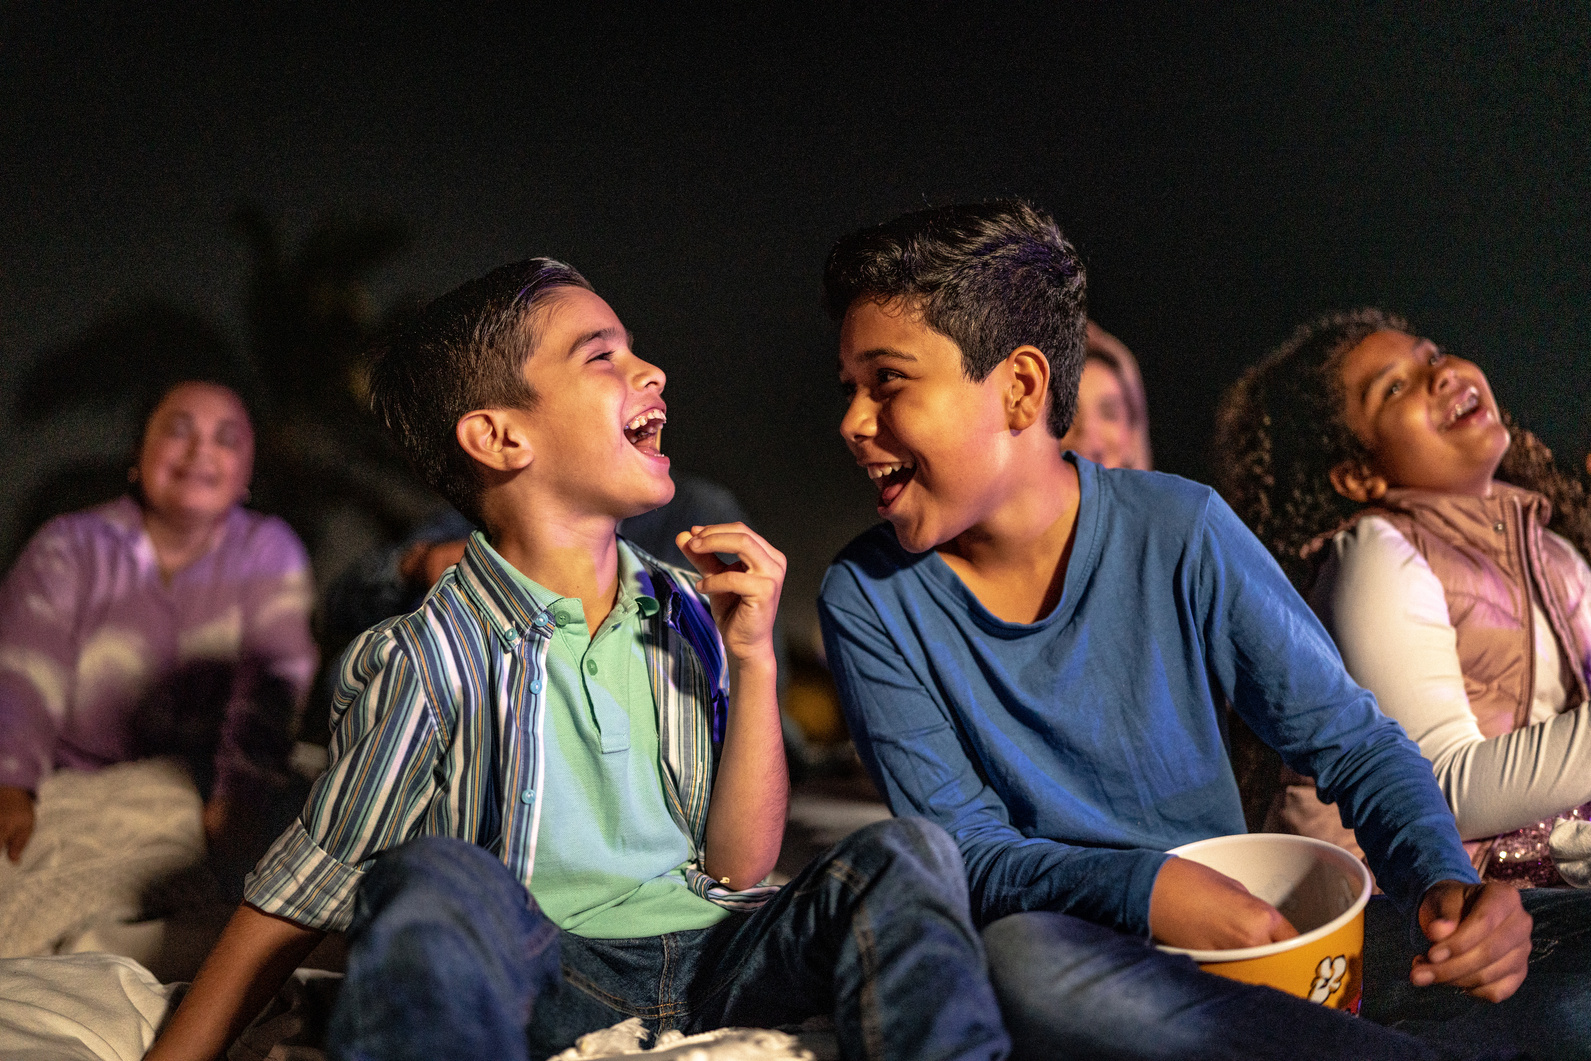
column 1321, row 890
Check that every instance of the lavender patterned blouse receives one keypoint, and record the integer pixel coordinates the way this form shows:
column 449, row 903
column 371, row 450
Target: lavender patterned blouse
column 89, row 631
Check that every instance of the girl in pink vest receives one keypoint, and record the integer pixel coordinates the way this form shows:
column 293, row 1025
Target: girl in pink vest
column 1446, row 555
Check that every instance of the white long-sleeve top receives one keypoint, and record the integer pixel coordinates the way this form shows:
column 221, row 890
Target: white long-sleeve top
column 1387, row 612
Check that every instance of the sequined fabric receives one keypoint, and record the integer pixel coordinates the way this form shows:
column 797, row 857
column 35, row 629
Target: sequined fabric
column 1521, row 858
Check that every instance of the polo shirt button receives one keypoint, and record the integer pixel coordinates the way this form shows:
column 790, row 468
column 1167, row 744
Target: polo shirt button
column 535, row 685
column 561, row 619
column 527, row 795
column 591, row 666
column 511, row 636
column 1498, row 527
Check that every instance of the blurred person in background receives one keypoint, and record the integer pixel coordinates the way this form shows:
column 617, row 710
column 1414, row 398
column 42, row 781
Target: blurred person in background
column 1111, row 427
column 171, row 621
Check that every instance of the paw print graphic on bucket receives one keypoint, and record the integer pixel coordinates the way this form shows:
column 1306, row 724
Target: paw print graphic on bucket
column 1320, row 889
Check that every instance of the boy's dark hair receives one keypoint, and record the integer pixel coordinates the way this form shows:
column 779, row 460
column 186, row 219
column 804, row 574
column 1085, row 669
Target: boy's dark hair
column 464, row 351
column 991, row 276
column 1280, row 431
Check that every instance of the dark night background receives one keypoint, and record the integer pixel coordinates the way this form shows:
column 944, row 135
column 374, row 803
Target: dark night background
column 1226, row 171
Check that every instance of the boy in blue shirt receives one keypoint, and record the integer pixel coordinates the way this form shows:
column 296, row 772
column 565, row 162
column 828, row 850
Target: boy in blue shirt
column 555, row 787
column 1032, row 651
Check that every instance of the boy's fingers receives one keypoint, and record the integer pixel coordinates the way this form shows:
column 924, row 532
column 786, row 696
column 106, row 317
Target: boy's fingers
column 1442, row 909
column 1488, row 948
column 1479, row 965
column 752, row 550
column 705, row 562
column 751, row 537
column 743, row 584
column 1490, row 976
column 739, row 539
column 1500, row 987
column 1197, row 907
column 1281, row 928
column 1487, row 915
column 1493, row 982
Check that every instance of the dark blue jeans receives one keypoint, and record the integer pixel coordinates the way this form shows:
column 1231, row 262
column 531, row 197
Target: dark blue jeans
column 1550, row 1014
column 1071, row 989
column 449, row 957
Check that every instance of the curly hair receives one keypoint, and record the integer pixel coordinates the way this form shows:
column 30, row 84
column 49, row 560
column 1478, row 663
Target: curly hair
column 1528, row 463
column 1280, row 430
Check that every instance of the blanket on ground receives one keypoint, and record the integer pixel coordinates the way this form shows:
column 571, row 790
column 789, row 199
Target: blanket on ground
column 102, row 844
column 103, row 1007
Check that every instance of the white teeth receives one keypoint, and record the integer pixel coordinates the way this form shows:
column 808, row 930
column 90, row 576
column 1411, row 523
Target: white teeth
column 1464, row 406
column 878, row 471
column 645, row 418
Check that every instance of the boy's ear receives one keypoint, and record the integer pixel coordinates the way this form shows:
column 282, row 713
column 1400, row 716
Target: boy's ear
column 1029, row 386
column 1355, row 481
column 494, row 438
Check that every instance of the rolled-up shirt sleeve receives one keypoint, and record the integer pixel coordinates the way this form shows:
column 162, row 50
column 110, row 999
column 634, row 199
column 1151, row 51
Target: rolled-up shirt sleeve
column 373, row 797
column 1387, row 612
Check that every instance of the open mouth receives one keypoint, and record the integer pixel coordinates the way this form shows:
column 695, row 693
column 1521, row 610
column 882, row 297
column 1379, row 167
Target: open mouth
column 196, row 477
column 890, row 479
column 1468, row 404
column 645, row 432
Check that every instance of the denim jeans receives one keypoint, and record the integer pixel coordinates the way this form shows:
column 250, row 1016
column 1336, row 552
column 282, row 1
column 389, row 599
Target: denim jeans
column 449, row 957
column 1069, row 988
column 1550, row 1014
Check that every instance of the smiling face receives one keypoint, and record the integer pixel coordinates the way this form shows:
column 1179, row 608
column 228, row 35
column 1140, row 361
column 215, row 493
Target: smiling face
column 198, row 454
column 1102, row 427
column 932, row 441
column 596, row 428
column 1428, row 419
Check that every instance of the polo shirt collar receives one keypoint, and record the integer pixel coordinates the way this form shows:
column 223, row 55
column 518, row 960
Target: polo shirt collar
column 515, row 607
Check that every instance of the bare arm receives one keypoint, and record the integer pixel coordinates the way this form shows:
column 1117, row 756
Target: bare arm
column 250, row 962
column 745, row 821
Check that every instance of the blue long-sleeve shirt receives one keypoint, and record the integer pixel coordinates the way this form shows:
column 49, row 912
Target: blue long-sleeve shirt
column 1067, row 755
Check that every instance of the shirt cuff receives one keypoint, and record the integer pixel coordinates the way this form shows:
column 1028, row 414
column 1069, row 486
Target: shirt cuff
column 1141, row 880
column 299, row 881
column 20, row 770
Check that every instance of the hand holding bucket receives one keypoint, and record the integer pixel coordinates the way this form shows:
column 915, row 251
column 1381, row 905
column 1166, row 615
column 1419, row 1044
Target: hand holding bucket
column 1319, row 888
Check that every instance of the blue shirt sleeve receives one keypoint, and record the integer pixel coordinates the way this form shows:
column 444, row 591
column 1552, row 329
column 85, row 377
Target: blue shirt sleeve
column 1284, row 676
column 913, row 751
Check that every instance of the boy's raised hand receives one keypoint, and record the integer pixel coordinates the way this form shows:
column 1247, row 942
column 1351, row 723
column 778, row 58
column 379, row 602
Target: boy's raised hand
column 745, row 821
column 745, row 594
column 1480, row 939
column 1194, row 907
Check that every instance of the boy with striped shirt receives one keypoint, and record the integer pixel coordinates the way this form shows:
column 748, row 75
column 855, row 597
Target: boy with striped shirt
column 556, row 786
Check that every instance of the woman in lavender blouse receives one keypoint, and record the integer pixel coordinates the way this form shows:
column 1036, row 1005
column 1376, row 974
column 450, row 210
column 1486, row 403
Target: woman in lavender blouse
column 123, row 625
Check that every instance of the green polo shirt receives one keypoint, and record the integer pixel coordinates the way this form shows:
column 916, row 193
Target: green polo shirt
column 610, row 857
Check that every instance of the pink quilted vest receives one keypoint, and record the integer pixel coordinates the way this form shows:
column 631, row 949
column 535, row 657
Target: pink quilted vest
column 1489, row 554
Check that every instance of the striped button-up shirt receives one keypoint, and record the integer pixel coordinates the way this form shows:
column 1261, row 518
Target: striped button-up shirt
column 439, row 719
